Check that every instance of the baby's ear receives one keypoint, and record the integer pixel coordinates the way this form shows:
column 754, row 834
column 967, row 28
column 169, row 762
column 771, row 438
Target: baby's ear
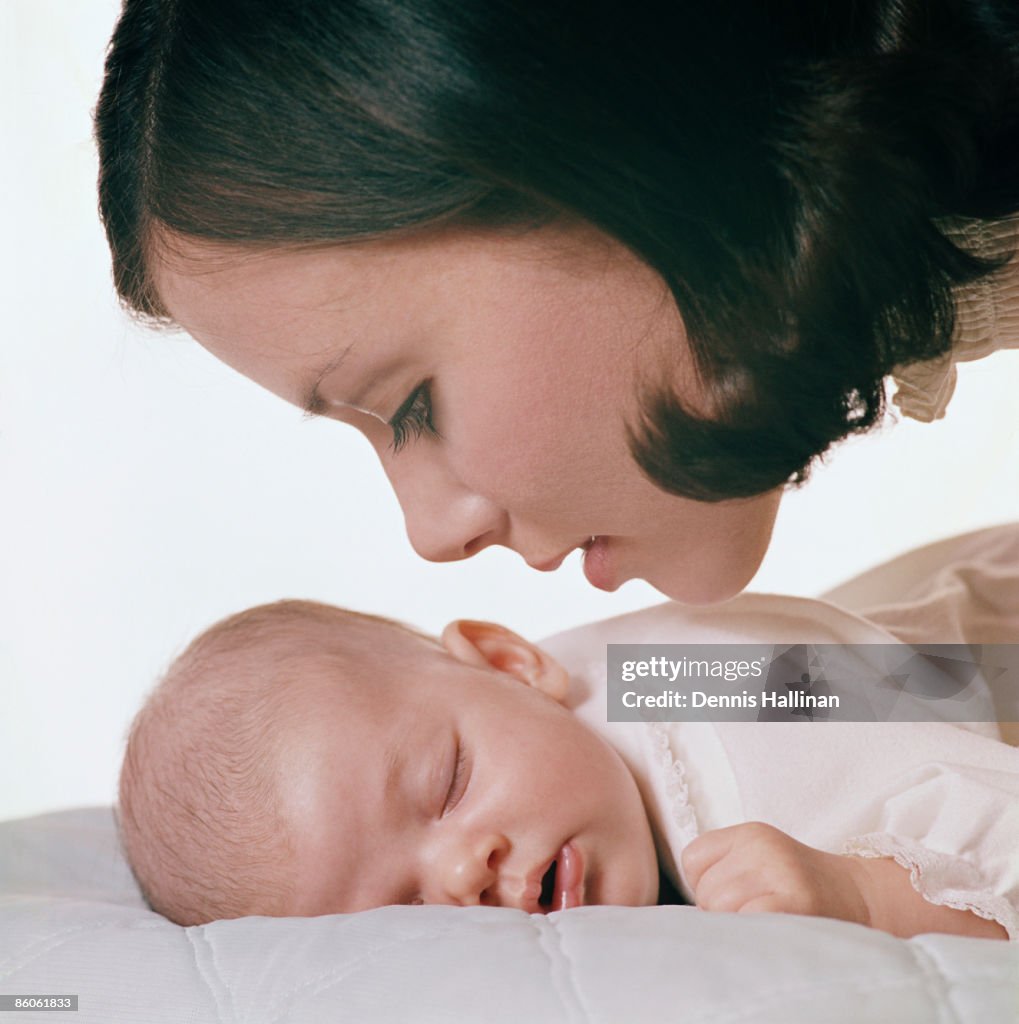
column 487, row 645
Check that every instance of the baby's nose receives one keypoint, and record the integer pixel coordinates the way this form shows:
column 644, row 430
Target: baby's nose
column 472, row 871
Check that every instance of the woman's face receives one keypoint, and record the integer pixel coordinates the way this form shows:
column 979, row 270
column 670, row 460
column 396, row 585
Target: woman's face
column 495, row 376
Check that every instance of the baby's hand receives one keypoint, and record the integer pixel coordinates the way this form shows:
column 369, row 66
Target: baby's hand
column 755, row 868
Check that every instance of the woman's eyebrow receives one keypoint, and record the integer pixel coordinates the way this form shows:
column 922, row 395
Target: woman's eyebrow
column 313, row 404
column 310, row 400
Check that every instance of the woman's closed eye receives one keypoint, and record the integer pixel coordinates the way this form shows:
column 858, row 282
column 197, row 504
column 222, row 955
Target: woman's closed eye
column 414, row 417
column 458, row 780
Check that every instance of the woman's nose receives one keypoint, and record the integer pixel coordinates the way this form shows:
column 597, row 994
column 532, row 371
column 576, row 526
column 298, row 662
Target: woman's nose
column 445, row 521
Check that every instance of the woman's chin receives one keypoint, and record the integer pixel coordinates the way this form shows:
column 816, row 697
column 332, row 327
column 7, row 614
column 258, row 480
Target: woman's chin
column 700, row 588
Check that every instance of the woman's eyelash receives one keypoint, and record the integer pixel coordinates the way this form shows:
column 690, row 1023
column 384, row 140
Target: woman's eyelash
column 414, row 417
column 457, row 784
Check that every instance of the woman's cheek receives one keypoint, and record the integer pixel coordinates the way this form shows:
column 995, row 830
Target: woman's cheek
column 525, row 467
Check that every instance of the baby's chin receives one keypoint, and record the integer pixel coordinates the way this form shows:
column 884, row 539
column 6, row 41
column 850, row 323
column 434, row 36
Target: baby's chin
column 646, row 895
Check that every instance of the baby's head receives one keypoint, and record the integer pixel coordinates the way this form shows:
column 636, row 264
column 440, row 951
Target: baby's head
column 298, row 759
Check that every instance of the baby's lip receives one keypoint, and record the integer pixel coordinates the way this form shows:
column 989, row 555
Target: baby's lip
column 569, row 879
column 568, row 888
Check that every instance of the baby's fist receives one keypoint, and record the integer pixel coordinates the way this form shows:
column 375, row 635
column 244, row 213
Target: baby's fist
column 755, row 868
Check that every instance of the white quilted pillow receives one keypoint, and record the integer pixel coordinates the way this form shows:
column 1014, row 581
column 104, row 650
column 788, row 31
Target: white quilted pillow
column 73, row 922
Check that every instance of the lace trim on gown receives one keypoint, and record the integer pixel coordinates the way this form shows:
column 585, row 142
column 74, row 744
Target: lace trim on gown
column 677, row 791
column 940, row 879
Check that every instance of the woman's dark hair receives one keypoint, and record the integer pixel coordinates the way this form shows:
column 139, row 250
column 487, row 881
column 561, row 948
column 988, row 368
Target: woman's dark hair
column 788, row 168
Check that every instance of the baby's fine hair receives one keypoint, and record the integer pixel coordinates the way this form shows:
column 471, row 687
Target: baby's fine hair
column 199, row 812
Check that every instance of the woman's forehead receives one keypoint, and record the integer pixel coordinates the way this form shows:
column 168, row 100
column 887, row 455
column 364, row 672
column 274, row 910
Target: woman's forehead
column 283, row 319
column 196, row 278
column 185, row 268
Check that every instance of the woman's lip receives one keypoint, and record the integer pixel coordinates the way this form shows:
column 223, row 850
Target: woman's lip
column 595, row 557
column 552, row 563
column 596, row 566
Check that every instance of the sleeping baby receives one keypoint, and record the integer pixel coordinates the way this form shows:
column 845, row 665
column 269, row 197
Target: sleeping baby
column 299, row 759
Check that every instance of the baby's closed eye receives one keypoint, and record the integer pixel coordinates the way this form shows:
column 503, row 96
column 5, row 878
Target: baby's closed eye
column 459, row 779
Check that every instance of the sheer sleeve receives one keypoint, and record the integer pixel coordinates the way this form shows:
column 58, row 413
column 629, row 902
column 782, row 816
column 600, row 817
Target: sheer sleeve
column 940, row 799
column 955, row 828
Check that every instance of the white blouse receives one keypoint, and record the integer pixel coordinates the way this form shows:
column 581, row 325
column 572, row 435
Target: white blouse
column 987, row 319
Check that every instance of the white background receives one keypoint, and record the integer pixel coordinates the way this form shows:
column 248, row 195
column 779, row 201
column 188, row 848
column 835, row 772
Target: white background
column 148, row 491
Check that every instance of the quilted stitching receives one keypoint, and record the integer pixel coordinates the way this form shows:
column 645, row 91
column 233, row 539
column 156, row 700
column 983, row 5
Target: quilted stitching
column 774, row 1006
column 937, row 978
column 218, row 987
column 54, row 940
column 551, row 944
column 321, row 982
column 545, row 954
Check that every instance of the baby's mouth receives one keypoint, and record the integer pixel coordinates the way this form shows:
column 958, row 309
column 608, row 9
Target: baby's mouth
column 562, row 885
column 547, row 888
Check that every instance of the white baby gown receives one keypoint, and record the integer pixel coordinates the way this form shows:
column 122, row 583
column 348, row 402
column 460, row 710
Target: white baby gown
column 942, row 799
